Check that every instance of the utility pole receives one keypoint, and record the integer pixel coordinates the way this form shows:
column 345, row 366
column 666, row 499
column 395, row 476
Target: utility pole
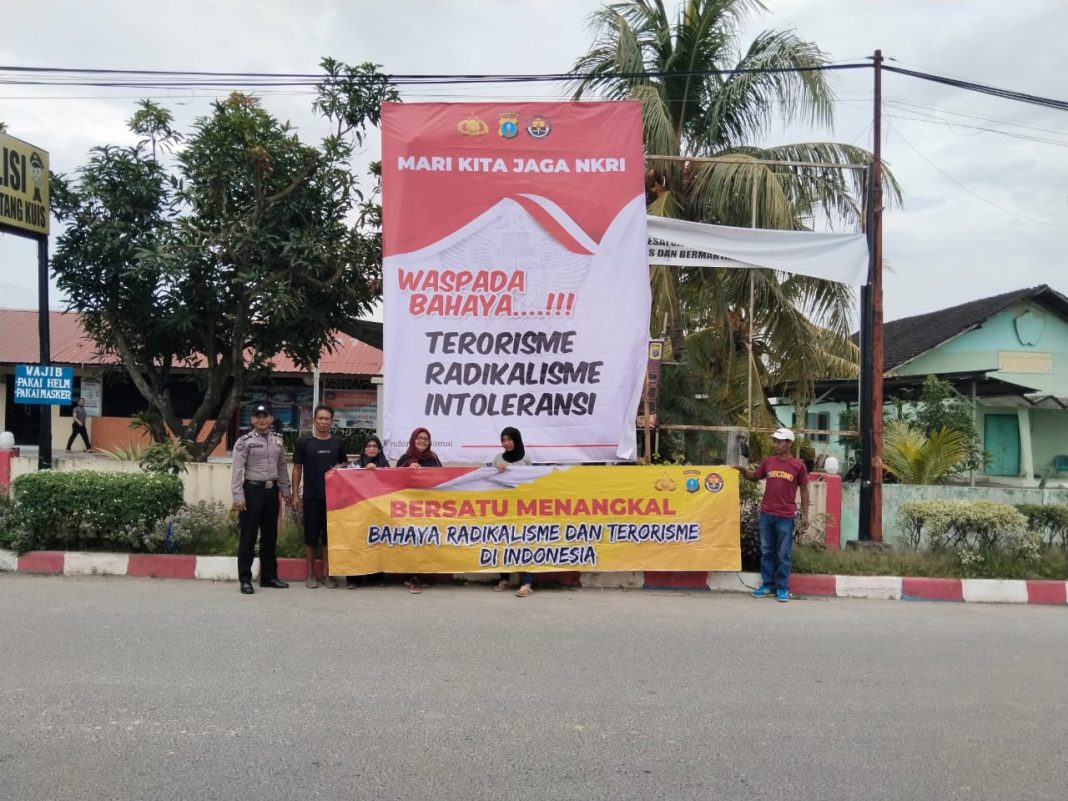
column 872, row 329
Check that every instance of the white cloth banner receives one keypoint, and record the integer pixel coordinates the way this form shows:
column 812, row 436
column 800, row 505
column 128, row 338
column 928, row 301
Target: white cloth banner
column 835, row 257
column 515, row 283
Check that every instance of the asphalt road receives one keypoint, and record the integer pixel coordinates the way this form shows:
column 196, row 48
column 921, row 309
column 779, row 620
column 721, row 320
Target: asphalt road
column 119, row 688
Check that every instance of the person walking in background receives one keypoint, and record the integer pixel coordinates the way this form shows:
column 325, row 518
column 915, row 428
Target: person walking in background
column 257, row 478
column 784, row 475
column 513, row 454
column 312, row 457
column 78, row 426
column 419, row 454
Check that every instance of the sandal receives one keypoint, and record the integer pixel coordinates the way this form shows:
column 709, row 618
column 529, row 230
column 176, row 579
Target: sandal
column 524, row 592
column 502, row 585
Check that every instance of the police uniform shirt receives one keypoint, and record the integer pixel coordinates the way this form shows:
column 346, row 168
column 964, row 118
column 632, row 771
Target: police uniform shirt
column 259, row 457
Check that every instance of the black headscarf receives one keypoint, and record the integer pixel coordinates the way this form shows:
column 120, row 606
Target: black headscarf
column 379, row 461
column 518, row 452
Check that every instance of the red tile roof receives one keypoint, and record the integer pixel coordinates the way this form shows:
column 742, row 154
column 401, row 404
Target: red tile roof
column 19, row 340
column 71, row 345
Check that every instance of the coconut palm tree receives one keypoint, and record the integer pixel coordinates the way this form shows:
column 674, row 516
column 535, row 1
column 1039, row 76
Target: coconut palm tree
column 701, row 98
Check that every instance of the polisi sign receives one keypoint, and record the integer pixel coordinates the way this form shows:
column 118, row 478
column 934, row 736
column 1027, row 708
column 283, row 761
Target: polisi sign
column 23, row 186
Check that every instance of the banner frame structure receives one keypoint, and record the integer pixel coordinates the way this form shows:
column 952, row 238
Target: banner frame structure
column 36, row 176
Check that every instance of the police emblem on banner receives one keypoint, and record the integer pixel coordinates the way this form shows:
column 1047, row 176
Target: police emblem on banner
column 713, row 482
column 539, row 127
column 472, row 126
column 508, row 124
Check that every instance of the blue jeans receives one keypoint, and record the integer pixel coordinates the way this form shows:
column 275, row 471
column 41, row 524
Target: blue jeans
column 776, row 545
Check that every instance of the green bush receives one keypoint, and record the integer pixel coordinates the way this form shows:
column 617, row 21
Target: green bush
column 993, row 563
column 202, row 528
column 5, row 519
column 750, row 535
column 290, row 537
column 1048, row 520
column 168, row 456
column 961, row 525
column 89, row 510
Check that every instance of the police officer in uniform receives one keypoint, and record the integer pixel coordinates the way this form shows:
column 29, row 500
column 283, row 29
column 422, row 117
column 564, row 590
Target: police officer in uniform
column 257, row 478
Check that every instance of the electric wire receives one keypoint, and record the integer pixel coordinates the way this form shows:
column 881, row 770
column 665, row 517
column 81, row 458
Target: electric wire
column 951, row 179
column 186, row 79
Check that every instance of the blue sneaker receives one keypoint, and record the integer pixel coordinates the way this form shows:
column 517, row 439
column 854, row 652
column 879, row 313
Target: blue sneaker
column 763, row 591
column 782, row 595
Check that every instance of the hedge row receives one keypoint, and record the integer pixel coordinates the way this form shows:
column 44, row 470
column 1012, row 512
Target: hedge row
column 981, row 525
column 88, row 510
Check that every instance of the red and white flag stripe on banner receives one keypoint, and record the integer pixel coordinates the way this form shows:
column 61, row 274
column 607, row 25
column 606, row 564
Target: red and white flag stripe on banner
column 516, row 279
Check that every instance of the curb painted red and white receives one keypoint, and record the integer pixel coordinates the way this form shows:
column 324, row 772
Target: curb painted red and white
column 894, row 588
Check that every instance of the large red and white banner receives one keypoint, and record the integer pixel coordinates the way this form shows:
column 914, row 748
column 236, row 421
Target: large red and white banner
column 516, row 280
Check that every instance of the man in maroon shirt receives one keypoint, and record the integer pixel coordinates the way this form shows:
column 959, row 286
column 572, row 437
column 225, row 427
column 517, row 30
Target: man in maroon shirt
column 784, row 476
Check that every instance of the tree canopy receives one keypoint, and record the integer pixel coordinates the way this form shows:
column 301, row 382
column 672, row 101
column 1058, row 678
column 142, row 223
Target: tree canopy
column 222, row 248
column 706, row 96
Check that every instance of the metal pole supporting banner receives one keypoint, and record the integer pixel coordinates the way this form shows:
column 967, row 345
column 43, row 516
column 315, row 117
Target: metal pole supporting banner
column 44, row 442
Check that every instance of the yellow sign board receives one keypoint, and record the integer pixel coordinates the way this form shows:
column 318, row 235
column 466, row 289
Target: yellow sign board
column 533, row 519
column 23, row 186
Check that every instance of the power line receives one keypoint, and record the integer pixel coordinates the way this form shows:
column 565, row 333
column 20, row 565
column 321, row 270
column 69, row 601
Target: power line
column 187, row 79
column 980, row 129
column 955, row 113
column 1060, row 105
column 935, row 120
column 976, row 195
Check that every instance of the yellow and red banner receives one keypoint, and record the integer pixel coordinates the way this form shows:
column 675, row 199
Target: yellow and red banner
column 533, row 519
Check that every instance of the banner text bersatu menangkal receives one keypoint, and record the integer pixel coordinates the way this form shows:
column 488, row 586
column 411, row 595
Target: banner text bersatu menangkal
column 533, row 519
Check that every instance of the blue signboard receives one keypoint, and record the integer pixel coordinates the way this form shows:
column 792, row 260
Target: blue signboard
column 44, row 384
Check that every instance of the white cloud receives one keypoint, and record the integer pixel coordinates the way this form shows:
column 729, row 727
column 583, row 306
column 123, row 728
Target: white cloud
column 946, row 244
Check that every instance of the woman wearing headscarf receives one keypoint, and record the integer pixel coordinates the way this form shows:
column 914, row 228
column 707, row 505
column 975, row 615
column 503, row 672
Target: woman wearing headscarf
column 419, row 453
column 514, row 454
column 371, row 456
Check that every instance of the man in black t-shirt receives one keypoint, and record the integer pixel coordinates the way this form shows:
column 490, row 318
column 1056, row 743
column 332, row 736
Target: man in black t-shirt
column 312, row 457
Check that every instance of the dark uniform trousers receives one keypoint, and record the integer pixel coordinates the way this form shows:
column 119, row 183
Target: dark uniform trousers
column 260, row 514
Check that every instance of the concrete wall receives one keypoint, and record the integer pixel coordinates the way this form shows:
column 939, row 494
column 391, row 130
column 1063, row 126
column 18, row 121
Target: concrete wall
column 204, row 481
column 896, row 494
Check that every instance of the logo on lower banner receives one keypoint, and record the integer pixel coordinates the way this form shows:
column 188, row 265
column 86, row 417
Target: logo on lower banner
column 539, row 127
column 508, row 124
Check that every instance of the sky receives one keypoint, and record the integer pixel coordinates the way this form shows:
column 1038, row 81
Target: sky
column 985, row 180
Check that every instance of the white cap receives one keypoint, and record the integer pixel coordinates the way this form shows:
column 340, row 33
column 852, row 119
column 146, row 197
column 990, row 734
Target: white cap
column 784, row 433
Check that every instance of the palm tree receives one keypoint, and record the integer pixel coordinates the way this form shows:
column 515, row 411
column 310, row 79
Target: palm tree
column 700, row 100
column 918, row 458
